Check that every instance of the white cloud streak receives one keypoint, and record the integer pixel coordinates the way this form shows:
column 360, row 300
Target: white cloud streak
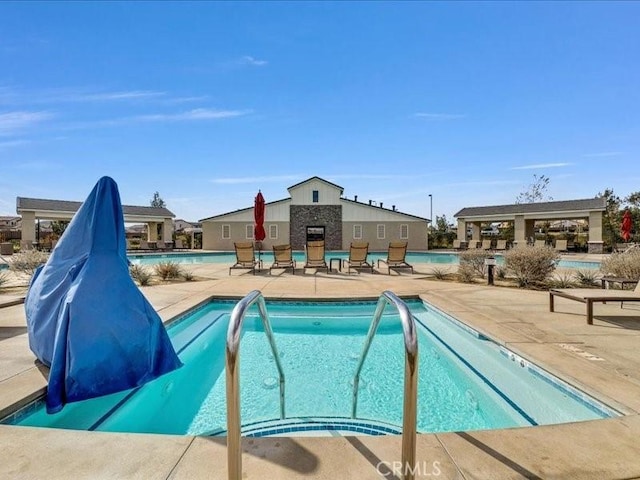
column 249, row 60
column 111, row 96
column 439, row 116
column 195, row 114
column 542, row 165
column 603, row 154
column 12, row 122
column 270, row 179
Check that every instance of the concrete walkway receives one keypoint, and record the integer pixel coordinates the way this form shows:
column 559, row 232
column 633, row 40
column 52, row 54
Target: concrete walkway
column 602, row 359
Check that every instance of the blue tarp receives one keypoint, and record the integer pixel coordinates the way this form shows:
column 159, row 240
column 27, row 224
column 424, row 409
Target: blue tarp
column 86, row 318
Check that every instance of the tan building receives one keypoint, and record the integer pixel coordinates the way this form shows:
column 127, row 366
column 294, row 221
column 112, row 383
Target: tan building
column 316, row 209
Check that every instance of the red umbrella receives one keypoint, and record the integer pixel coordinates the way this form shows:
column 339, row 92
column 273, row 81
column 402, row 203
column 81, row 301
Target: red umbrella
column 625, row 228
column 258, row 215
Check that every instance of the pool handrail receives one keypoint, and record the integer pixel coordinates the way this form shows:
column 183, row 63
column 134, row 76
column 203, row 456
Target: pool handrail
column 410, row 398
column 232, row 366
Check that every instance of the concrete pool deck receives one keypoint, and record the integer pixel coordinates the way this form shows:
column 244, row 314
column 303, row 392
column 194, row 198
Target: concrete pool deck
column 603, row 359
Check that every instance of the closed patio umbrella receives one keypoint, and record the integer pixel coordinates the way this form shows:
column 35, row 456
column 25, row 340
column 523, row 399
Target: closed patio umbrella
column 625, row 228
column 258, row 214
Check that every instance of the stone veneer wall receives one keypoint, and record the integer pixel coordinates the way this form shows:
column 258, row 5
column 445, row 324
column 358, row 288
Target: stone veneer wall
column 327, row 216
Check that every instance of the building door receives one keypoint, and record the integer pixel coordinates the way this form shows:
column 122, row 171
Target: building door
column 315, row 233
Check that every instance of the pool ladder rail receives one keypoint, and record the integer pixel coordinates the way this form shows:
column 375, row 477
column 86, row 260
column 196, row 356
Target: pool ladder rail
column 234, row 425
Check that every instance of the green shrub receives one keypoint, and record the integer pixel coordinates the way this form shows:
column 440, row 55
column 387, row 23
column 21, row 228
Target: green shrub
column 188, row 276
column 439, row 273
column 28, row 261
column 565, row 280
column 167, row 270
column 586, row 278
column 140, row 275
column 475, row 259
column 625, row 264
column 466, row 273
column 501, row 272
column 531, row 265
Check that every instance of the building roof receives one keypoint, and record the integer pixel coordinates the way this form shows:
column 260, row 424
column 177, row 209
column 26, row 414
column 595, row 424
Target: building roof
column 588, row 204
column 41, row 204
column 240, row 210
column 379, row 208
column 316, row 178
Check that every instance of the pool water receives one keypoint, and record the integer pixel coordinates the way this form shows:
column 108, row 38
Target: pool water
column 299, row 257
column 466, row 382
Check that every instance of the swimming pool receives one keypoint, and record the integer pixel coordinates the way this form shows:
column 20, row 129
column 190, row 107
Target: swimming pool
column 267, row 257
column 466, row 381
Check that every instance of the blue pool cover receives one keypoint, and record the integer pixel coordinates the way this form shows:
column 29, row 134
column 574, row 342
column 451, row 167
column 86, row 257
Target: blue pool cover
column 86, row 318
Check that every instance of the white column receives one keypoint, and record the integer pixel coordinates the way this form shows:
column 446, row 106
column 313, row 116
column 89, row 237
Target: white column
column 167, row 230
column 29, row 226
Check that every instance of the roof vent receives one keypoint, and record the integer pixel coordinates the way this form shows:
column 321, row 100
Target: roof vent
column 370, row 202
column 380, row 204
column 393, row 207
column 355, row 198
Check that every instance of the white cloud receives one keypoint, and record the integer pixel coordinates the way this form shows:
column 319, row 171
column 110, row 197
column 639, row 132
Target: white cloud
column 541, row 165
column 439, row 116
column 249, row 60
column 13, row 143
column 603, row 154
column 275, row 178
column 111, row 96
column 195, row 114
column 13, row 121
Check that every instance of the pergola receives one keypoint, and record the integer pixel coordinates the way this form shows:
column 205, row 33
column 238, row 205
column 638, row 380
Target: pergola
column 34, row 209
column 524, row 216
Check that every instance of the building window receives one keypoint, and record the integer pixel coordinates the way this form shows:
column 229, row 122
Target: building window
column 249, row 231
column 357, row 232
column 315, row 196
column 381, row 233
column 226, row 231
column 404, row 231
column 273, row 231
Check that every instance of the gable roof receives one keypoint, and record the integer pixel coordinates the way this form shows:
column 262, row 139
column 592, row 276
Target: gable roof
column 588, row 204
column 233, row 212
column 316, row 178
column 35, row 204
column 378, row 208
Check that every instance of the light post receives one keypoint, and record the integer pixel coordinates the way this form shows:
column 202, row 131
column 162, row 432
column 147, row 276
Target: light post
column 431, row 210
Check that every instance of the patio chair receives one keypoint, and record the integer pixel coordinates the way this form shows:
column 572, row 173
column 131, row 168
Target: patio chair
column 315, row 255
column 540, row 243
column 501, row 245
column 473, row 244
column 459, row 244
column 589, row 296
column 245, row 257
column 283, row 258
column 396, row 256
column 160, row 245
column 561, row 245
column 358, row 252
column 486, row 244
column 144, row 245
column 178, row 245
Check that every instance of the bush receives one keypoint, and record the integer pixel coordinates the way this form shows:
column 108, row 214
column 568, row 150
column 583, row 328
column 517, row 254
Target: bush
column 466, row 273
column 439, row 273
column 531, row 265
column 561, row 281
column 586, row 278
column 625, row 264
column 28, row 261
column 501, row 273
column 188, row 276
column 167, row 270
column 4, row 278
column 475, row 260
column 140, row 275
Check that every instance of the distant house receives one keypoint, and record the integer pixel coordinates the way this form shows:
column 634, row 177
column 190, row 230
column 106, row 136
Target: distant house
column 10, row 223
column 180, row 225
column 316, row 209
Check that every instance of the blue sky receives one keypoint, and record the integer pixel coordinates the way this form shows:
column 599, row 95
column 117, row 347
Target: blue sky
column 209, row 102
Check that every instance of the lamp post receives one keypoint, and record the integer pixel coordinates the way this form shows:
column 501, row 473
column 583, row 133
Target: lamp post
column 431, row 210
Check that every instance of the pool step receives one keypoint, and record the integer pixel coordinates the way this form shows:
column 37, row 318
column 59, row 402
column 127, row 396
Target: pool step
column 315, row 427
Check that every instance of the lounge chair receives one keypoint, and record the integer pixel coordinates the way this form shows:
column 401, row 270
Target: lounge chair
column 396, row 256
column 501, row 245
column 178, row 245
column 459, row 244
column 591, row 296
column 144, row 245
column 160, row 245
column 245, row 257
column 358, row 256
column 283, row 258
column 486, row 244
column 474, row 244
column 315, row 255
column 540, row 243
column 561, row 245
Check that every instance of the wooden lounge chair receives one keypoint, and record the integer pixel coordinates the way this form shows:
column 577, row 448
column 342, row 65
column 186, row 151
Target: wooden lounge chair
column 245, row 257
column 283, row 258
column 591, row 296
column 540, row 243
column 459, row 244
column 396, row 256
column 161, row 246
column 315, row 255
column 561, row 245
column 474, row 244
column 486, row 244
column 501, row 245
column 358, row 256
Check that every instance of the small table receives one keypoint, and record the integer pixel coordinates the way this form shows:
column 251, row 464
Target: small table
column 335, row 259
column 621, row 280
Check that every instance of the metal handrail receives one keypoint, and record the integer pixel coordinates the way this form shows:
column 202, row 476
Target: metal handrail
column 234, row 447
column 410, row 401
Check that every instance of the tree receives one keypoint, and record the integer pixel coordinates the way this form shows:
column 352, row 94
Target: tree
column 611, row 217
column 157, row 201
column 535, row 192
column 58, row 227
